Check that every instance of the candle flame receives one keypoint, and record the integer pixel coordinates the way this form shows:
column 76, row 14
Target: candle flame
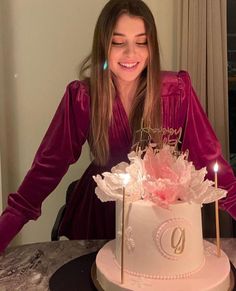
column 125, row 177
column 216, row 167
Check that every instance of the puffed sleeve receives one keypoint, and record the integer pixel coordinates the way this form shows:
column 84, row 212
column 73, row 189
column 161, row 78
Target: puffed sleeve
column 204, row 147
column 60, row 147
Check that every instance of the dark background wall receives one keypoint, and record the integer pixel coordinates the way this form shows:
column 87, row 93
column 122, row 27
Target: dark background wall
column 231, row 37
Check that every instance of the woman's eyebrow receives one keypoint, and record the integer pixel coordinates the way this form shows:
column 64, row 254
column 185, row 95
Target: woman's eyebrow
column 121, row 34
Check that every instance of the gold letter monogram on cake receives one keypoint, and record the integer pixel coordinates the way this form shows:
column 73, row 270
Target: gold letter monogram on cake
column 178, row 240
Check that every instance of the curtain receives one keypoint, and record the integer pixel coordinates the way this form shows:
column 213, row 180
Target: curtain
column 202, row 51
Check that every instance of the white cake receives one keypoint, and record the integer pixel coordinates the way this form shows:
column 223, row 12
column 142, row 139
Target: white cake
column 163, row 246
column 163, row 250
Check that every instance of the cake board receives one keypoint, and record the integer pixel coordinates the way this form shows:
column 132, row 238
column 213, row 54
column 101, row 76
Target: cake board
column 74, row 275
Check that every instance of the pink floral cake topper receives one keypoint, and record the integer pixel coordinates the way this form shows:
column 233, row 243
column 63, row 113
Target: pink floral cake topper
column 163, row 176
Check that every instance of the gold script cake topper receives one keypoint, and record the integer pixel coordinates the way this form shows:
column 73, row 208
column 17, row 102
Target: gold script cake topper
column 158, row 136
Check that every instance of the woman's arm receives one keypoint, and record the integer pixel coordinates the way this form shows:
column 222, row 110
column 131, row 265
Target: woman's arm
column 61, row 146
column 204, row 147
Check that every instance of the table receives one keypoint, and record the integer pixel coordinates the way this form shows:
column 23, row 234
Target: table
column 29, row 267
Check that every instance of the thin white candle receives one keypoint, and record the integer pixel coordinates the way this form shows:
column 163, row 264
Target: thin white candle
column 123, row 238
column 125, row 178
column 216, row 168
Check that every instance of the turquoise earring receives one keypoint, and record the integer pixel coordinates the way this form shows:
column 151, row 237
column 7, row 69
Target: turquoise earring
column 105, row 65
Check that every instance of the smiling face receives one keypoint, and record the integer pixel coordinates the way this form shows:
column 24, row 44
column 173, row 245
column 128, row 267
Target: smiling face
column 129, row 49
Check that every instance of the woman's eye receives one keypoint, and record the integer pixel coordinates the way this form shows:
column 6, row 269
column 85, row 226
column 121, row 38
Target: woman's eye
column 141, row 43
column 122, row 43
column 117, row 43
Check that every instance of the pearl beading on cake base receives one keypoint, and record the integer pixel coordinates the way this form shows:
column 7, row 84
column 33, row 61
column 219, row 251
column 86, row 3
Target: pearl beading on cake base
column 162, row 277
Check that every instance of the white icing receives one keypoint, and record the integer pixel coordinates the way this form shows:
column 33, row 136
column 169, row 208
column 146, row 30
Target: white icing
column 156, row 258
column 130, row 244
column 214, row 276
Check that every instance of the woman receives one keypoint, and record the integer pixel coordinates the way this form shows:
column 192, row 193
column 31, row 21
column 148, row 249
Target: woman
column 125, row 86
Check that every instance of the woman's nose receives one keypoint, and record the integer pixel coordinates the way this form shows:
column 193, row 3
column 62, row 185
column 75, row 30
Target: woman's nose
column 130, row 49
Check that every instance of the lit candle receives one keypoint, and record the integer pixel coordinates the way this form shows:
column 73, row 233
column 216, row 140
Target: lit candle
column 216, row 168
column 125, row 178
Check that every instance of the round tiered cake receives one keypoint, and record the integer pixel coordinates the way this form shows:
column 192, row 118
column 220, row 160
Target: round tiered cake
column 164, row 250
column 158, row 197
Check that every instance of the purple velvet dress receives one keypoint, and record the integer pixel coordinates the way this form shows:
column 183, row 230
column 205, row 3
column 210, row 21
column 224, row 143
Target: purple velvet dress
column 87, row 217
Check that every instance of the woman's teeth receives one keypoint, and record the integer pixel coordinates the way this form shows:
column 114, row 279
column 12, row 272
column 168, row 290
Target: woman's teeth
column 128, row 65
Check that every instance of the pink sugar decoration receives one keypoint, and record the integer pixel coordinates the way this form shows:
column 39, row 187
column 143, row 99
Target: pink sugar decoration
column 164, row 176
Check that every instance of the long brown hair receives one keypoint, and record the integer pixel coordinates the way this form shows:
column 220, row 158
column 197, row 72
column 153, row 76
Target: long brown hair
column 147, row 100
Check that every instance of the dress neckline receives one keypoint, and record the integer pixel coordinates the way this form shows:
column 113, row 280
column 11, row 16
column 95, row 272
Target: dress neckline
column 124, row 115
